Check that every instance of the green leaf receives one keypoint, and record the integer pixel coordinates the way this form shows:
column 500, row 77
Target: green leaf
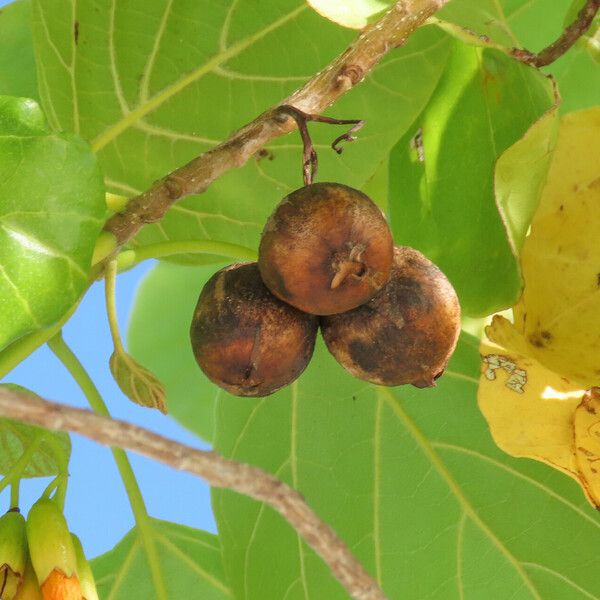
column 520, row 176
column 442, row 173
column 170, row 91
column 17, row 63
column 189, row 560
column 51, row 209
column 507, row 22
column 412, row 481
column 138, row 383
column 160, row 339
column 51, row 454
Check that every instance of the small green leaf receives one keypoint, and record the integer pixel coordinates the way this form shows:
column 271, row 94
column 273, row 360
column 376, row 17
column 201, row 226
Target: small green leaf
column 51, row 455
column 162, row 341
column 51, row 210
column 189, row 561
column 442, row 174
column 17, row 63
column 138, row 383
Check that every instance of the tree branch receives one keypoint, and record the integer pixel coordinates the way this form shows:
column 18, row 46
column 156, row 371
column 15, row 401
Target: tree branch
column 217, row 471
column 348, row 69
column 568, row 37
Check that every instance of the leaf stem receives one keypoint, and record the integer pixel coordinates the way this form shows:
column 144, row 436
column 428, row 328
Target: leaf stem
column 130, row 258
column 136, row 500
column 14, row 494
column 16, row 471
column 55, row 484
column 111, row 308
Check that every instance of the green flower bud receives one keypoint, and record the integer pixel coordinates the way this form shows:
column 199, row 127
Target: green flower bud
column 30, row 589
column 50, row 544
column 84, row 572
column 13, row 554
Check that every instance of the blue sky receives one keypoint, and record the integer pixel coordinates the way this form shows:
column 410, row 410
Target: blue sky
column 97, row 508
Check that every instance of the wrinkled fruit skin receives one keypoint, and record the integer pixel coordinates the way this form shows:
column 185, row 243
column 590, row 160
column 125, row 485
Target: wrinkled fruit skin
column 326, row 249
column 406, row 333
column 246, row 340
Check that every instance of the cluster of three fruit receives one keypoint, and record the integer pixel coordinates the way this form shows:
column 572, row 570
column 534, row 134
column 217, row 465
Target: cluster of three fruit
column 326, row 257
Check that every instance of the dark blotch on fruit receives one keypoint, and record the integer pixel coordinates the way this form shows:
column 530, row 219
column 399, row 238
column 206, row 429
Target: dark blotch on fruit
column 406, row 333
column 246, row 340
column 326, row 249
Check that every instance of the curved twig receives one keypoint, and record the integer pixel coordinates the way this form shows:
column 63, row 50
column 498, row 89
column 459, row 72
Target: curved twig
column 568, row 37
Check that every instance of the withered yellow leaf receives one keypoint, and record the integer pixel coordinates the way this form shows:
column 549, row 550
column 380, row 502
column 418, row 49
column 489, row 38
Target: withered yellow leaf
column 587, row 444
column 557, row 319
column 529, row 409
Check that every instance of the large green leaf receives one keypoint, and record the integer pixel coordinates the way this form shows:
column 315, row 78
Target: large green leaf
column 442, row 174
column 52, row 449
column 155, row 85
column 51, row 209
column 160, row 340
column 188, row 560
column 413, row 482
column 17, row 64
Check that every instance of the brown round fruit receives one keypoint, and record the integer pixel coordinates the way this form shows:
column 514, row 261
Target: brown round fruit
column 326, row 249
column 406, row 333
column 244, row 339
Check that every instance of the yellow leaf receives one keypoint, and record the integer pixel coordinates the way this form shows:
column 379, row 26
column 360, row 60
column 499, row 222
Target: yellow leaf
column 535, row 371
column 587, row 444
column 529, row 409
column 557, row 319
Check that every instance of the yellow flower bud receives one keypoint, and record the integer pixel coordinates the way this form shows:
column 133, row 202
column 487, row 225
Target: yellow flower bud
column 58, row 586
column 13, row 554
column 52, row 552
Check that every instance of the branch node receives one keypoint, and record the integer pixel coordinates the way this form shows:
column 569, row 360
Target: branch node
column 350, row 73
column 174, row 187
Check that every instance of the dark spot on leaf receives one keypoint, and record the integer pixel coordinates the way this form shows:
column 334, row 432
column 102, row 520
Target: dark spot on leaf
column 537, row 340
column 561, row 207
column 546, row 335
column 264, row 153
column 598, row 279
column 76, row 32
